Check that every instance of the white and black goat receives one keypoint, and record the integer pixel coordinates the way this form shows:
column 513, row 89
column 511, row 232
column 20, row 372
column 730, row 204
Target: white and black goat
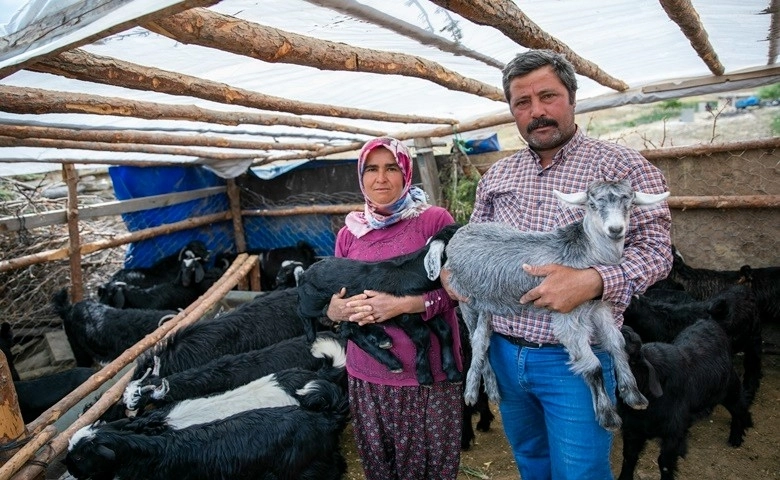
column 100, row 333
column 485, row 263
column 231, row 371
column 399, row 276
column 267, row 443
column 660, row 319
column 684, row 381
column 184, row 267
column 272, row 260
column 289, row 274
column 265, row 320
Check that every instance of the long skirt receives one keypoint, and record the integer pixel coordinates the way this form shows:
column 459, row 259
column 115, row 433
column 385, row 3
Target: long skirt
column 407, row 433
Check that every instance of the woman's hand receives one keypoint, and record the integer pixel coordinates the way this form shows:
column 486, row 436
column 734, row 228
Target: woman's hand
column 377, row 307
column 338, row 308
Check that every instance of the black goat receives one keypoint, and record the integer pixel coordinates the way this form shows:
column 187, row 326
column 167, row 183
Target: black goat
column 661, row 319
column 301, row 442
column 39, row 394
column 100, row 333
column 702, row 283
column 230, row 371
column 399, row 276
column 684, row 381
column 6, row 342
column 265, row 320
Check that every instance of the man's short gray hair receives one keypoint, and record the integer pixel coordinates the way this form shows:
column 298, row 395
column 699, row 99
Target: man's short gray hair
column 526, row 62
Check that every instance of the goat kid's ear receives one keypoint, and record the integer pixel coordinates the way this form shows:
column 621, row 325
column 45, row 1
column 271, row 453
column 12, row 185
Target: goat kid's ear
column 200, row 274
column 649, row 198
column 297, row 273
column 652, row 380
column 433, row 258
column 575, row 199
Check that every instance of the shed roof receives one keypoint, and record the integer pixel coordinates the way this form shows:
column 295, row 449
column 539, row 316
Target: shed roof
column 236, row 82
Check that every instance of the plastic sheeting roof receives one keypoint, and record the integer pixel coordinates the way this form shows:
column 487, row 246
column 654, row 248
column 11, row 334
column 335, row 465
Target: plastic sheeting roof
column 635, row 42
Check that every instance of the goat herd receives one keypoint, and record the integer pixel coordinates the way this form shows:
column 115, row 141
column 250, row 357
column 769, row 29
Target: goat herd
column 259, row 391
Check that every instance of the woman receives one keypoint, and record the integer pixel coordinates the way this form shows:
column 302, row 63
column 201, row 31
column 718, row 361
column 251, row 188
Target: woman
column 403, row 430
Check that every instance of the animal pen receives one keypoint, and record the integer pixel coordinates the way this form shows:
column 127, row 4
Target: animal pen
column 727, row 194
column 207, row 91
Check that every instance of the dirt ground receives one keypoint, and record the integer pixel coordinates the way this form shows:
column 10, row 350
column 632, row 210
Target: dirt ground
column 709, row 455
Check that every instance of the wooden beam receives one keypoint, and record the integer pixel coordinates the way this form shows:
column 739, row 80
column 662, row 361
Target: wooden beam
column 709, row 149
column 44, row 31
column 87, row 248
column 505, row 16
column 203, row 27
column 724, row 201
column 116, row 207
column 124, row 148
column 684, row 14
column 131, row 136
column 27, row 100
column 429, row 173
column 380, row 18
column 82, row 65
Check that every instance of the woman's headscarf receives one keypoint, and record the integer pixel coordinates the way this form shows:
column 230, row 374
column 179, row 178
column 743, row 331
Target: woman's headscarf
column 411, row 203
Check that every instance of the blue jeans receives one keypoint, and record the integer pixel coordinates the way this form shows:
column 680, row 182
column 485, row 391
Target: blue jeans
column 547, row 413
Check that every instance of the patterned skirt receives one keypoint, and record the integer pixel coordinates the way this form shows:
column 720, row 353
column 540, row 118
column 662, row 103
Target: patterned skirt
column 407, row 433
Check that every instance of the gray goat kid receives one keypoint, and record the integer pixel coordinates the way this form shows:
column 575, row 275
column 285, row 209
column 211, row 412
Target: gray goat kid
column 485, row 258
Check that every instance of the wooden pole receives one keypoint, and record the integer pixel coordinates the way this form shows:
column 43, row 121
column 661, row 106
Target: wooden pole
column 426, row 163
column 11, row 423
column 724, row 201
column 238, row 225
column 506, row 16
column 26, row 100
column 62, row 253
column 88, row 67
column 201, row 26
column 71, row 178
column 684, row 14
column 303, row 210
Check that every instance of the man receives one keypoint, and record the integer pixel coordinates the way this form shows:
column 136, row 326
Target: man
column 546, row 409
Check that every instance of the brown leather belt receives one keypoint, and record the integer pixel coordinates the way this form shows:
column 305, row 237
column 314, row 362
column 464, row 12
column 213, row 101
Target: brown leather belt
column 522, row 342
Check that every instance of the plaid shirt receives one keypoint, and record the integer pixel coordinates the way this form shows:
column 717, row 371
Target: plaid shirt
column 516, row 190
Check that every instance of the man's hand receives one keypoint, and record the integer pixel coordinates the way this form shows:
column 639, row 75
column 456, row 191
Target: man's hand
column 563, row 288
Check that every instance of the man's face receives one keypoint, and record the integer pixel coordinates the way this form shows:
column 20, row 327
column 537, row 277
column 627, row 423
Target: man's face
column 540, row 105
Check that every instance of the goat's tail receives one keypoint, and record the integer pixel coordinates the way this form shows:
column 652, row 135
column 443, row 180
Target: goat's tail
column 331, row 348
column 327, row 397
column 61, row 303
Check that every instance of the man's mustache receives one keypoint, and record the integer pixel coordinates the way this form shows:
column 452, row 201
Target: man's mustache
column 541, row 122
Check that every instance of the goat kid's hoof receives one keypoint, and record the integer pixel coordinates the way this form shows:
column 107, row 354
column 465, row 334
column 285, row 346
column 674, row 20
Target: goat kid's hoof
column 635, row 400
column 385, row 345
column 610, row 422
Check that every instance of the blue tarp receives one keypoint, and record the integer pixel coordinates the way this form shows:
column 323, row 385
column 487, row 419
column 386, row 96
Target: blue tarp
column 138, row 182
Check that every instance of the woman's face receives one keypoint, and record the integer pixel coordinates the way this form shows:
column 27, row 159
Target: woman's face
column 383, row 180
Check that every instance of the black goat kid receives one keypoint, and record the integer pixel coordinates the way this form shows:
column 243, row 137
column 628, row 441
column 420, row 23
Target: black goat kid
column 684, row 381
column 400, row 276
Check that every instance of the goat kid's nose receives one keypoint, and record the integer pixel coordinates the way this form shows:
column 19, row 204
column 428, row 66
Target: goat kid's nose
column 615, row 231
